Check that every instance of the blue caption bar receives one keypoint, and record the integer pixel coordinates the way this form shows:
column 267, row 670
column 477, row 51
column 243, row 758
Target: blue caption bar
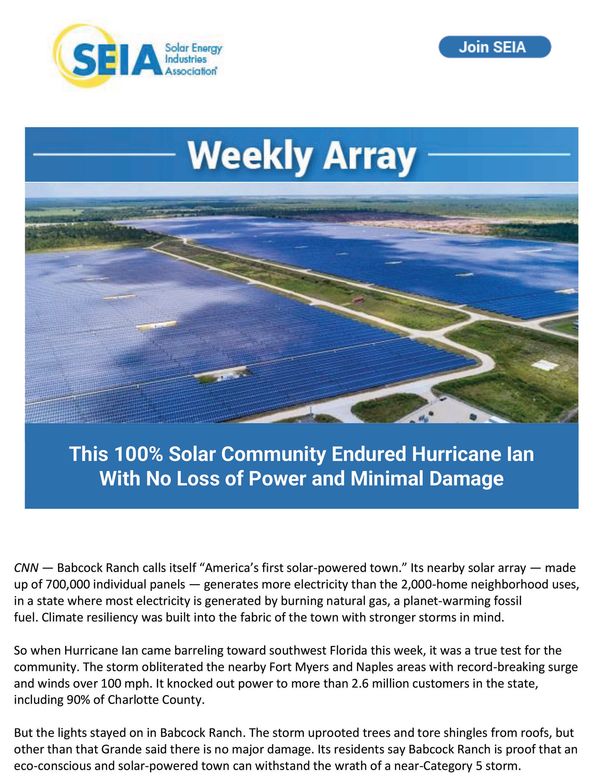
column 494, row 47
column 162, row 466
column 427, row 154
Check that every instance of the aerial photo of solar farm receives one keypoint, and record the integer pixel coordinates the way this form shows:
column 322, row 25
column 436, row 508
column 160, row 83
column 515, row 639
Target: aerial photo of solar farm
column 351, row 309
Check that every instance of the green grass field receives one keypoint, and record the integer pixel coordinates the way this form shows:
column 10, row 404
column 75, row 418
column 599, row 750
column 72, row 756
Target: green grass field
column 318, row 418
column 50, row 212
column 404, row 312
column 386, row 410
column 565, row 325
column 515, row 389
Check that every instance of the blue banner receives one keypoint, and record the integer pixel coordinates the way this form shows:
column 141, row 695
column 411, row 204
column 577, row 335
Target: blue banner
column 301, row 154
column 295, row 466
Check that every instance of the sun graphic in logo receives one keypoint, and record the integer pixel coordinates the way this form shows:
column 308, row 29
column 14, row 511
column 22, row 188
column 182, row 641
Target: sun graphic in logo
column 64, row 47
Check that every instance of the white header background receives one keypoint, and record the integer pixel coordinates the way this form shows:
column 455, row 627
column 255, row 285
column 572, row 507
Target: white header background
column 316, row 63
column 320, row 64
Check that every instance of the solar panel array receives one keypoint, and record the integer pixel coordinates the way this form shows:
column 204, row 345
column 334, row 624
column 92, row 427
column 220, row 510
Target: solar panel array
column 519, row 278
column 87, row 360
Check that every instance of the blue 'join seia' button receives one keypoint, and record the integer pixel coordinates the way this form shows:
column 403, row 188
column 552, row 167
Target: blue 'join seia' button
column 495, row 46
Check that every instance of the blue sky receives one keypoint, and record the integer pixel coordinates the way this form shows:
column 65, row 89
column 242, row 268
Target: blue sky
column 192, row 189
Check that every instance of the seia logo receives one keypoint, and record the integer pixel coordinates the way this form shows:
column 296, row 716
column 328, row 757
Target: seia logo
column 87, row 56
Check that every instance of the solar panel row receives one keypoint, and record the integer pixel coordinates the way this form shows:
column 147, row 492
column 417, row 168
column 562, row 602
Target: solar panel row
column 496, row 274
column 290, row 382
column 549, row 303
column 87, row 360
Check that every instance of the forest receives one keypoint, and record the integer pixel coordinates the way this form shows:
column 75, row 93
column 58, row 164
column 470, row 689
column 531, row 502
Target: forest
column 50, row 236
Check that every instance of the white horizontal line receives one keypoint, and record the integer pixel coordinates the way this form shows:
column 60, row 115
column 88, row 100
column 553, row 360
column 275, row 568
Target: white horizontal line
column 500, row 153
column 98, row 153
